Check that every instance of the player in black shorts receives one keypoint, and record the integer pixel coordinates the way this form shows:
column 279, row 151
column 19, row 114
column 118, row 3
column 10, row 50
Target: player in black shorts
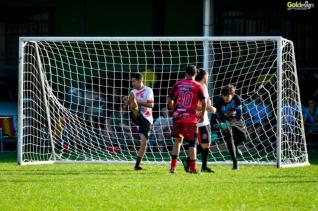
column 204, row 129
column 141, row 102
column 228, row 120
column 144, row 126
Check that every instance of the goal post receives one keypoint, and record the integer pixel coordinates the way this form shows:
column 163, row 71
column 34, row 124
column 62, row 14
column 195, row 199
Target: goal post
column 72, row 107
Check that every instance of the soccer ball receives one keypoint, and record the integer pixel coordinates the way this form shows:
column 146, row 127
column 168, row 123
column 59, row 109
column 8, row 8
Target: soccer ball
column 150, row 77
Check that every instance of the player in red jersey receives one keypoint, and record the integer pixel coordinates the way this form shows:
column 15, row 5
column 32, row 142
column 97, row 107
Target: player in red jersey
column 184, row 98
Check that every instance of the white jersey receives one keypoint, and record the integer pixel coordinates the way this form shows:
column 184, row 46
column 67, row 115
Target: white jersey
column 206, row 118
column 145, row 95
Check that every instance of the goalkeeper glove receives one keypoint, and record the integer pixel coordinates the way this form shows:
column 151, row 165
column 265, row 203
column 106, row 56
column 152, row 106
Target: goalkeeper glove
column 224, row 125
column 214, row 137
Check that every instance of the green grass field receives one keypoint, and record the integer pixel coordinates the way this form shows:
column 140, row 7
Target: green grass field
column 118, row 187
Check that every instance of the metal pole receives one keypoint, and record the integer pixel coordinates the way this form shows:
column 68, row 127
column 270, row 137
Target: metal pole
column 20, row 103
column 45, row 96
column 279, row 101
column 208, row 51
column 206, row 32
column 206, row 18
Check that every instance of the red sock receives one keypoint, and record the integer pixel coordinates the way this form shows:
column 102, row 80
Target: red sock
column 174, row 163
column 192, row 166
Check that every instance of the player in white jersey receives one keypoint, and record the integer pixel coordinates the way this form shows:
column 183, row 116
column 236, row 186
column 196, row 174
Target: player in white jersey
column 204, row 128
column 141, row 102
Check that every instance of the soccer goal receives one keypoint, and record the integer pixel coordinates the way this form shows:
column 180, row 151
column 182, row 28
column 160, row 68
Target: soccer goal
column 71, row 105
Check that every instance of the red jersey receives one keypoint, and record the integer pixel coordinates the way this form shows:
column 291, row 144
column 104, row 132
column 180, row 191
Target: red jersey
column 187, row 95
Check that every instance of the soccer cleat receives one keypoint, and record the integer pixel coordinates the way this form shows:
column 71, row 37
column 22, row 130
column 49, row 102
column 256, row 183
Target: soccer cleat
column 173, row 170
column 133, row 104
column 138, row 168
column 185, row 163
column 194, row 171
column 207, row 170
column 235, row 166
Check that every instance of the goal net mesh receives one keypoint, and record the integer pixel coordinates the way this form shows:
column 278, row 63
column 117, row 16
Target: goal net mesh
column 73, row 106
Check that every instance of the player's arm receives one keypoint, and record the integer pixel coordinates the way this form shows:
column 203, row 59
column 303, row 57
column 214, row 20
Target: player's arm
column 209, row 107
column 170, row 100
column 170, row 103
column 203, row 103
column 213, row 121
column 216, row 115
column 204, row 107
column 129, row 99
column 125, row 100
column 238, row 109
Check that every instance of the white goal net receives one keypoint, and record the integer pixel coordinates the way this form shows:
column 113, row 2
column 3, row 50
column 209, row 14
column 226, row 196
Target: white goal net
column 72, row 89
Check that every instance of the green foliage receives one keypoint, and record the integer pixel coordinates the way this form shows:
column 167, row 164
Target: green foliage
column 118, row 187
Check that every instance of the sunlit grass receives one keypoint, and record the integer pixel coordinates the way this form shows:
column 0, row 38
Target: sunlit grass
column 118, row 187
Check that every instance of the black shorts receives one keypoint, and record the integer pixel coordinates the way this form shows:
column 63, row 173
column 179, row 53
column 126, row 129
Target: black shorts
column 235, row 133
column 204, row 134
column 144, row 126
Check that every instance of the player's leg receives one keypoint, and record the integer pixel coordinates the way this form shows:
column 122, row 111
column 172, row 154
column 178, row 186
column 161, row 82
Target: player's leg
column 144, row 128
column 228, row 137
column 175, row 153
column 204, row 135
column 239, row 135
column 142, row 150
column 133, row 105
column 178, row 134
column 192, row 156
column 186, row 160
column 192, row 137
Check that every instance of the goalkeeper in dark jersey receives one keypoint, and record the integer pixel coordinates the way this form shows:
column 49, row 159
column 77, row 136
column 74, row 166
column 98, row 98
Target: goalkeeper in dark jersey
column 227, row 119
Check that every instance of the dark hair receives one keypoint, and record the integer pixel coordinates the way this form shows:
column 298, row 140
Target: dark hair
column 138, row 76
column 191, row 70
column 201, row 74
column 227, row 90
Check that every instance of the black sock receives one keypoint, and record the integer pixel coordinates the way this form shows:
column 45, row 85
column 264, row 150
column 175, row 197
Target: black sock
column 204, row 154
column 138, row 161
column 174, row 157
